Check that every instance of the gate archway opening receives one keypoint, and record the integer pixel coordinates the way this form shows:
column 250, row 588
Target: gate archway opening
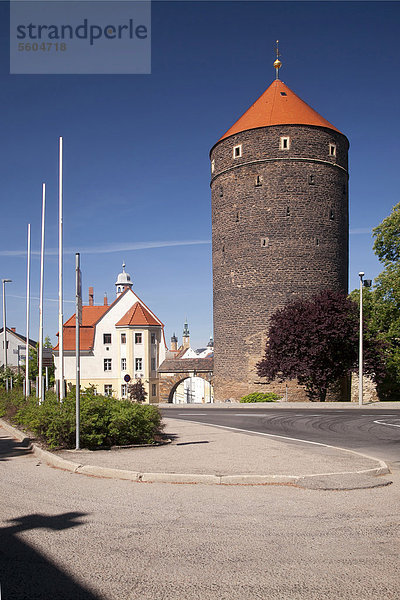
column 191, row 390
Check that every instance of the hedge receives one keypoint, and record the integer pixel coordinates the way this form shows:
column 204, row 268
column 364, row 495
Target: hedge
column 260, row 397
column 104, row 421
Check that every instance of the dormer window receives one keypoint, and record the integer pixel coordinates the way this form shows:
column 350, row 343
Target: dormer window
column 237, row 151
column 332, row 149
column 285, row 143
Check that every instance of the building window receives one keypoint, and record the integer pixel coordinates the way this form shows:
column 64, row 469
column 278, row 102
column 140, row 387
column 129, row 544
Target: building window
column 311, row 179
column 123, row 364
column 106, row 338
column 259, row 181
column 237, row 151
column 154, row 389
column 153, row 338
column 332, row 149
column 288, row 211
column 264, row 242
column 107, row 389
column 138, row 338
column 123, row 390
column 331, row 215
column 285, row 143
column 107, row 364
column 237, row 217
column 153, row 364
column 138, row 364
column 221, row 192
column 283, row 94
column 317, row 241
column 212, row 166
column 123, row 338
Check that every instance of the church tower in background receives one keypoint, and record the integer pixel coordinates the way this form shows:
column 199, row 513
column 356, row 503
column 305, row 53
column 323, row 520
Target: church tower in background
column 279, row 182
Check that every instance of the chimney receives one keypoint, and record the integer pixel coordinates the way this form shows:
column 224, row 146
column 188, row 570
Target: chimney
column 91, row 296
column 105, row 300
column 13, row 329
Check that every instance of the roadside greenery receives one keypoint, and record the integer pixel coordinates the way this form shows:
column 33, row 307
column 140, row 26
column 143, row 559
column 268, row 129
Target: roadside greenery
column 105, row 421
column 381, row 305
column 260, row 397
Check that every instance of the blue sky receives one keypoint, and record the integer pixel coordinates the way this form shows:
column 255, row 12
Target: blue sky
column 136, row 165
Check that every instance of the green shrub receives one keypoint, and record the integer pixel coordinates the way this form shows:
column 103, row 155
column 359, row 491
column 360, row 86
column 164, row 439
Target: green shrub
column 104, row 421
column 260, row 397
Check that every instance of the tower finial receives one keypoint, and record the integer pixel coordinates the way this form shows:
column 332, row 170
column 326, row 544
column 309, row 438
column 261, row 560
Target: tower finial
column 277, row 63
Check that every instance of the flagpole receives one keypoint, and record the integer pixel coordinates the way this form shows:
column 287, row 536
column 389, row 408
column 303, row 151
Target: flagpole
column 28, row 292
column 41, row 298
column 60, row 274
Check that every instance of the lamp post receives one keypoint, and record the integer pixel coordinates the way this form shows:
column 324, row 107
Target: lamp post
column 360, row 346
column 4, row 281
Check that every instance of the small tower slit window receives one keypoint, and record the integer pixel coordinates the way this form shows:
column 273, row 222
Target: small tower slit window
column 264, row 242
column 237, row 217
column 221, row 192
column 331, row 215
column 259, row 181
column 311, row 179
column 288, row 211
column 317, row 241
column 212, row 166
column 284, row 143
column 237, row 151
column 332, row 149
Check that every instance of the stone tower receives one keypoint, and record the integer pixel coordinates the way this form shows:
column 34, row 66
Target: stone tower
column 279, row 182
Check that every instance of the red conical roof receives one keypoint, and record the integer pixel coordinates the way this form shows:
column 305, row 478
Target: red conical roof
column 278, row 105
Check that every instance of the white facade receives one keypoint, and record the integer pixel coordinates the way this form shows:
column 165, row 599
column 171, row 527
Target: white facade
column 14, row 341
column 118, row 350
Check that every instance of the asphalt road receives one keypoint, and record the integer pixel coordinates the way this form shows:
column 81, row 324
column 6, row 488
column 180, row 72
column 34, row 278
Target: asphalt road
column 65, row 536
column 375, row 432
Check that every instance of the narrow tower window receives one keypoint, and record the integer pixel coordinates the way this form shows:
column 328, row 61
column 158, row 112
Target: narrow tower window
column 331, row 215
column 288, row 211
column 237, row 217
column 212, row 166
column 221, row 192
column 259, row 180
column 317, row 241
column 311, row 179
column 285, row 143
column 237, row 151
column 332, row 149
column 264, row 242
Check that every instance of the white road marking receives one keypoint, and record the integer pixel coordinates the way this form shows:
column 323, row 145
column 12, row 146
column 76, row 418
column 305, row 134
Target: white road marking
column 388, row 424
column 192, row 414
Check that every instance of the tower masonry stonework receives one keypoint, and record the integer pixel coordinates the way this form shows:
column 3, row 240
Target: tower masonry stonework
column 279, row 182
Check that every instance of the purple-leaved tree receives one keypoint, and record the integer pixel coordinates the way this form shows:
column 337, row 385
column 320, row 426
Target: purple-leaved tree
column 316, row 342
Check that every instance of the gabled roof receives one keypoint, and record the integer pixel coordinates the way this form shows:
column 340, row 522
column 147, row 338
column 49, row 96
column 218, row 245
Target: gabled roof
column 278, row 105
column 138, row 315
column 21, row 337
column 90, row 316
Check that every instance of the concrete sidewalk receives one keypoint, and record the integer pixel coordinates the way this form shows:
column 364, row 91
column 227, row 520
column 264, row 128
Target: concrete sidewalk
column 206, row 454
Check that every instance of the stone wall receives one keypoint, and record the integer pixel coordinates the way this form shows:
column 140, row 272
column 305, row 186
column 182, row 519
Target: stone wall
column 279, row 231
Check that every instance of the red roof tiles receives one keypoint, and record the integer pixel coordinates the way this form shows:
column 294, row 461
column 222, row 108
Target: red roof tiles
column 138, row 315
column 278, row 105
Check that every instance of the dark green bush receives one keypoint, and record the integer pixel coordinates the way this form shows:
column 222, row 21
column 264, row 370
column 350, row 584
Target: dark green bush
column 104, row 421
column 260, row 397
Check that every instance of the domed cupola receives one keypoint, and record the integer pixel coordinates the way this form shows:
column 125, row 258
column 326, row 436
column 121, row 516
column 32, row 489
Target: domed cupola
column 123, row 281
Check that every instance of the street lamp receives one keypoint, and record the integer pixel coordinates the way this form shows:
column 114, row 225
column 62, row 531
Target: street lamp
column 4, row 281
column 360, row 347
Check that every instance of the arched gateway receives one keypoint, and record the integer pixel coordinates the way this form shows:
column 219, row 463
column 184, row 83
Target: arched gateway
column 173, row 372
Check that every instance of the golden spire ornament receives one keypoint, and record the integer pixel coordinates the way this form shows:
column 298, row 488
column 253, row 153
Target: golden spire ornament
column 277, row 63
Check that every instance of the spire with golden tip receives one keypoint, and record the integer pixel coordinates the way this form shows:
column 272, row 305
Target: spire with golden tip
column 277, row 63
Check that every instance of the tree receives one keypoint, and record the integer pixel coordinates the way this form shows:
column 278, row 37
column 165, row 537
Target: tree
column 316, row 342
column 136, row 391
column 381, row 305
column 33, row 361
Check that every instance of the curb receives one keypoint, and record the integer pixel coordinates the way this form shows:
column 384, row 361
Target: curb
column 57, row 462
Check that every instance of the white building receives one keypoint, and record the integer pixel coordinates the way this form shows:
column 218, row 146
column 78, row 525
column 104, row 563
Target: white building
column 16, row 348
column 119, row 342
